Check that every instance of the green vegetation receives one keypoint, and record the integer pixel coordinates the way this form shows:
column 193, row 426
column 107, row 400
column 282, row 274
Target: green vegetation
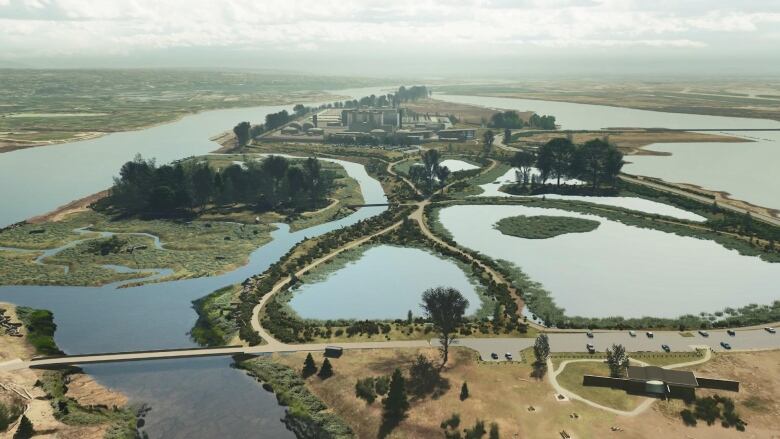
column 9, row 412
column 216, row 325
column 42, row 108
column 445, row 307
column 306, row 416
column 571, row 379
column 543, row 227
column 709, row 410
column 68, row 411
column 40, row 327
column 178, row 190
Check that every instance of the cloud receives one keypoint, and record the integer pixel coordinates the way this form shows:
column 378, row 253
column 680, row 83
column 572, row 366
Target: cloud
column 30, row 28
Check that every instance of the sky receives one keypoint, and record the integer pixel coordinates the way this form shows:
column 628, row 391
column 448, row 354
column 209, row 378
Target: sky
column 399, row 37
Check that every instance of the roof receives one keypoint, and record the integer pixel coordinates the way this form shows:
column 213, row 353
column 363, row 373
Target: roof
column 668, row 376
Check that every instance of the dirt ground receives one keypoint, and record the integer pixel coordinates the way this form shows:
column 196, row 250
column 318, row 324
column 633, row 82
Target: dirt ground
column 505, row 393
column 21, row 385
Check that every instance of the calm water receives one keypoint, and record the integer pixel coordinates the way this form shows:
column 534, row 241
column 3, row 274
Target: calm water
column 746, row 170
column 618, row 269
column 384, row 283
column 37, row 180
column 156, row 316
column 640, row 204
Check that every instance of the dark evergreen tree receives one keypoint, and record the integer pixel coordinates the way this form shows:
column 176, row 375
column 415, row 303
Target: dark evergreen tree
column 326, row 371
column 25, row 429
column 464, row 391
column 397, row 403
column 309, row 367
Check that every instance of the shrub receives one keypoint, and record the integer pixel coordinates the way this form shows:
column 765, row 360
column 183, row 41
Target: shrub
column 688, row 418
column 453, row 422
column 365, row 390
column 464, row 391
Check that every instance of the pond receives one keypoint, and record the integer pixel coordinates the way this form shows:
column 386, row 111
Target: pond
column 643, row 205
column 746, row 170
column 457, row 165
column 619, row 269
column 385, row 282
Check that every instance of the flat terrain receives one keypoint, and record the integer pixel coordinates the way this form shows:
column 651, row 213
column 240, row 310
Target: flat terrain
column 753, row 99
column 505, row 393
column 41, row 107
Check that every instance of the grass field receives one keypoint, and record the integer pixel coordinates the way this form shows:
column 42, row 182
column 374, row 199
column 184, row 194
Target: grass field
column 61, row 105
column 571, row 379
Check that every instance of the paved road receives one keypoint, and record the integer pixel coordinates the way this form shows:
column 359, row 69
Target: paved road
column 752, row 339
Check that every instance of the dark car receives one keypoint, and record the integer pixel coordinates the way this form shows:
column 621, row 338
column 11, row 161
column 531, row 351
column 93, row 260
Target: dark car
column 770, row 330
column 494, row 356
column 704, row 333
column 589, row 334
column 666, row 347
column 731, row 332
column 591, row 348
column 725, row 345
column 650, row 334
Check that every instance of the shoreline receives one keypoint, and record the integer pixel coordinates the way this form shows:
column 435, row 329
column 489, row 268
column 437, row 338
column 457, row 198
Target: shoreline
column 91, row 135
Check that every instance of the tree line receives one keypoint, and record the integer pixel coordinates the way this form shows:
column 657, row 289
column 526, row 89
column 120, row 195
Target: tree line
column 596, row 161
column 144, row 188
column 511, row 120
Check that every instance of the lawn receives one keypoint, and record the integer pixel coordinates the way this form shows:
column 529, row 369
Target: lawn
column 571, row 379
column 543, row 227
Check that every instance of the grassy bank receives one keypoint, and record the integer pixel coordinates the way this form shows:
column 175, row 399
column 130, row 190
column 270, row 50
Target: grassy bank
column 216, row 324
column 40, row 327
column 306, row 415
column 543, row 227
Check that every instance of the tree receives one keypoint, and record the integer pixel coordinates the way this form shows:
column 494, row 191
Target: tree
column 396, row 404
column 542, row 348
column 242, row 133
column 597, row 161
column 524, row 161
column 507, row 136
column 364, row 389
column 617, row 360
column 441, row 174
column 299, row 109
column 202, row 184
column 464, row 391
column 409, row 318
column 445, row 307
column 424, row 378
column 488, row 139
column 309, row 368
column 25, row 429
column 431, row 159
column 555, row 158
column 493, row 431
column 326, row 371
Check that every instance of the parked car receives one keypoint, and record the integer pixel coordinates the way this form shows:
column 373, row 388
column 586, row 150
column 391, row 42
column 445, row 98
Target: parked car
column 704, row 333
column 650, row 334
column 770, row 330
column 666, row 347
column 591, row 348
column 632, row 333
column 725, row 345
column 731, row 332
column 494, row 356
column 508, row 356
column 589, row 334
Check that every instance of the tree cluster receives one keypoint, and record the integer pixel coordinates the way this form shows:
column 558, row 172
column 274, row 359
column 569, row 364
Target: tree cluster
column 595, row 161
column 506, row 119
column 150, row 190
column 430, row 172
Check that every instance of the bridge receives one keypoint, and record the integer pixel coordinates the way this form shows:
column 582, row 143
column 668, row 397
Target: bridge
column 744, row 339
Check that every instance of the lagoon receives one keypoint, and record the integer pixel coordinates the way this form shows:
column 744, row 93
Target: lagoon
column 619, row 269
column 385, row 282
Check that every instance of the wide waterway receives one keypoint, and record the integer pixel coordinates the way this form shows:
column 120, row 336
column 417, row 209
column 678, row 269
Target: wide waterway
column 748, row 171
column 224, row 401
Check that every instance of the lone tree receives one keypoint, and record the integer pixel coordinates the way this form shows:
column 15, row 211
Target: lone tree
column 617, row 360
column 445, row 307
column 488, row 137
column 396, row 404
column 25, row 430
column 326, row 371
column 309, row 368
column 464, row 391
column 524, row 161
column 541, row 352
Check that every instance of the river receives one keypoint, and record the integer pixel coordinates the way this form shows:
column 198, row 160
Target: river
column 190, row 398
column 748, row 171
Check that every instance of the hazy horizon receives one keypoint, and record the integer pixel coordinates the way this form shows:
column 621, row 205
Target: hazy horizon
column 498, row 38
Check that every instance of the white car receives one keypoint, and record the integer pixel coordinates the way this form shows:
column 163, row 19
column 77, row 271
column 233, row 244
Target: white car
column 508, row 356
column 632, row 333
